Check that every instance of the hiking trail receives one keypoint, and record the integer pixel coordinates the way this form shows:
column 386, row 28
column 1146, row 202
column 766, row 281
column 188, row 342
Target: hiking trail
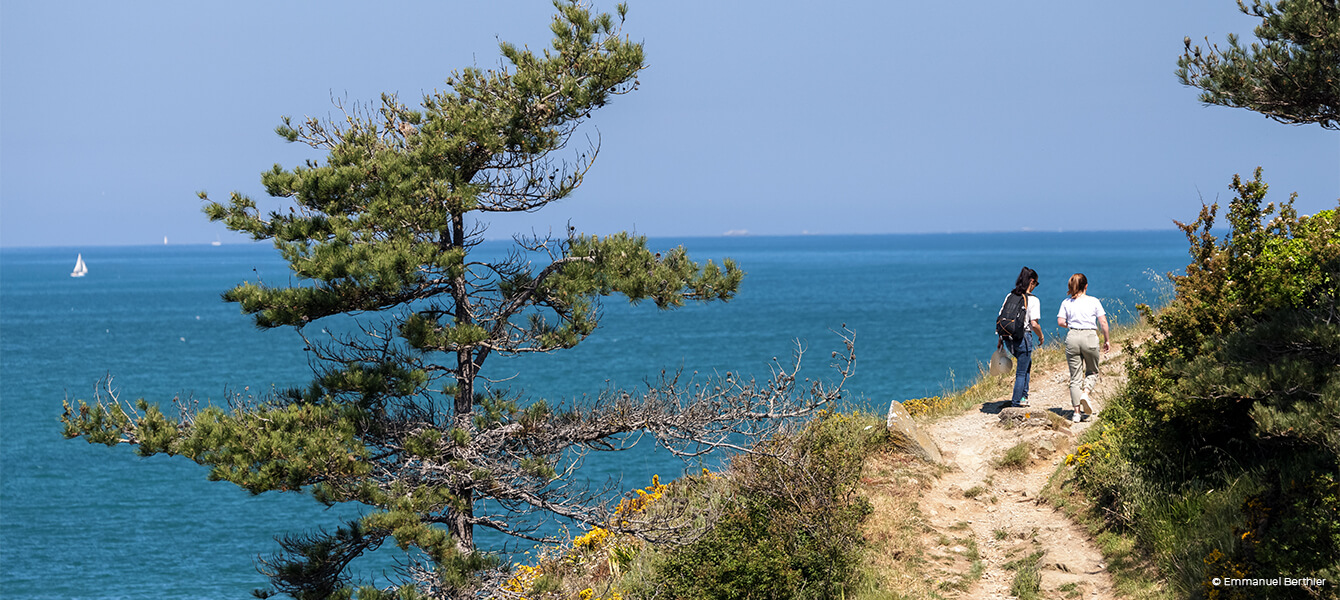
column 998, row 507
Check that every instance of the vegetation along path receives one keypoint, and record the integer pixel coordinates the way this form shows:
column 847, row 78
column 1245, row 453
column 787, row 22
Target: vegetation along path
column 985, row 530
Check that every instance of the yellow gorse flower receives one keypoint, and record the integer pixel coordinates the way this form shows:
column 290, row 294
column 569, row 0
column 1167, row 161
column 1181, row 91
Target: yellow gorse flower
column 644, row 497
column 1081, row 454
column 598, row 544
column 524, row 578
column 925, row 406
column 592, row 540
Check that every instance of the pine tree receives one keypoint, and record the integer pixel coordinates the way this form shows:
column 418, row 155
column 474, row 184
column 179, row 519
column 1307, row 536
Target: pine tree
column 1292, row 74
column 382, row 240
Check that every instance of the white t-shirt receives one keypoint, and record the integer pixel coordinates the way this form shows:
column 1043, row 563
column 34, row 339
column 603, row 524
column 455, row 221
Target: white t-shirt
column 1081, row 313
column 1034, row 309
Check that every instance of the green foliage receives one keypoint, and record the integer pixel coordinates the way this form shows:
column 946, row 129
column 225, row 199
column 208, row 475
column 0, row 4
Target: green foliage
column 380, row 235
column 1249, row 346
column 793, row 529
column 1291, row 74
column 1221, row 451
column 272, row 447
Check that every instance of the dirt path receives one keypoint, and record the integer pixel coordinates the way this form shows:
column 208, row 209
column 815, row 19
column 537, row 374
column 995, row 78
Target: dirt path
column 992, row 511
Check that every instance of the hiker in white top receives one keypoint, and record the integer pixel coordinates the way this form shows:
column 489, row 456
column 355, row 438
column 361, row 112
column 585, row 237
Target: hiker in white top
column 1022, row 348
column 1083, row 315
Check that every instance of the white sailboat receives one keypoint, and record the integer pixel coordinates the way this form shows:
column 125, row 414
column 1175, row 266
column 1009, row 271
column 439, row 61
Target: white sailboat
column 80, row 269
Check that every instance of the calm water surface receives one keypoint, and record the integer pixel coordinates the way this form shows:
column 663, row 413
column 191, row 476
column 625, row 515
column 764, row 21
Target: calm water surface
column 85, row 521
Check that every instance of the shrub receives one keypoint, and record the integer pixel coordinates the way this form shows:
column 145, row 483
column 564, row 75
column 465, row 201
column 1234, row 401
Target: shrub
column 1221, row 452
column 793, row 526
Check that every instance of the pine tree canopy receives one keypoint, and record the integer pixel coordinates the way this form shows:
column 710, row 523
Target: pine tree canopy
column 400, row 311
column 1292, row 74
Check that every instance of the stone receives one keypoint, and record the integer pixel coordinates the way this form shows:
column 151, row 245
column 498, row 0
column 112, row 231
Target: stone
column 908, row 436
column 1030, row 417
column 1044, row 447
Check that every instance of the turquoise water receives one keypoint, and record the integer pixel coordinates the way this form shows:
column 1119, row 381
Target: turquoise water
column 85, row 521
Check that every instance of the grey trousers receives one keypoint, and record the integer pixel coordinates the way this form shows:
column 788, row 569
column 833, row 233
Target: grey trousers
column 1081, row 353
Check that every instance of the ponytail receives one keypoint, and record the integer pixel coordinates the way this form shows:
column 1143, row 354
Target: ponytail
column 1078, row 283
column 1026, row 276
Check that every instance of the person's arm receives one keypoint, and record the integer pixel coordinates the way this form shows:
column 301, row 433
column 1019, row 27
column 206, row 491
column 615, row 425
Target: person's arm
column 1102, row 325
column 1034, row 314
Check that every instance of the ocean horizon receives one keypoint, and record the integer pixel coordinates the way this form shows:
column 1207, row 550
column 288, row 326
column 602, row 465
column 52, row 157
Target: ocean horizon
column 743, row 233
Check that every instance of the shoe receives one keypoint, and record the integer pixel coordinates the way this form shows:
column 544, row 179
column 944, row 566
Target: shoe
column 1076, row 416
column 1022, row 403
column 1085, row 405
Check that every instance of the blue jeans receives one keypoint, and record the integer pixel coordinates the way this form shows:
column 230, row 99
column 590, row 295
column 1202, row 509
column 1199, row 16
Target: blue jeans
column 1023, row 360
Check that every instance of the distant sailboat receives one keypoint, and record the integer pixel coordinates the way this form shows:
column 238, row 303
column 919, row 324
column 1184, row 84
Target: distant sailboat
column 80, row 269
column 216, row 242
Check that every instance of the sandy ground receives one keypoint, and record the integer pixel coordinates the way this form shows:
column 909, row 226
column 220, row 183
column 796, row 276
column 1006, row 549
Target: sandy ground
column 999, row 506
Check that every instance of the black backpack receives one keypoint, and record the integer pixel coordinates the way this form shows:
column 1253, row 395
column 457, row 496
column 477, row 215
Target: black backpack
column 1013, row 317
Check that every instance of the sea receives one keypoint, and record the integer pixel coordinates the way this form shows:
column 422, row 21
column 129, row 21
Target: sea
column 80, row 520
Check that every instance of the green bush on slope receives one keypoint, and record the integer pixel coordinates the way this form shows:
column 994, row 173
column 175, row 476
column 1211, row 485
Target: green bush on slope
column 793, row 528
column 1222, row 453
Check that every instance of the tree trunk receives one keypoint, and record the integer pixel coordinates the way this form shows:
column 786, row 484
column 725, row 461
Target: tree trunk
column 459, row 522
column 466, row 368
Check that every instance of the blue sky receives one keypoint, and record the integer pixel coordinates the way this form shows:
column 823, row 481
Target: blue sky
column 777, row 118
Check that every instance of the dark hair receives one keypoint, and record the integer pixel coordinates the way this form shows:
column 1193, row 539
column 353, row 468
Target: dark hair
column 1026, row 275
column 1078, row 283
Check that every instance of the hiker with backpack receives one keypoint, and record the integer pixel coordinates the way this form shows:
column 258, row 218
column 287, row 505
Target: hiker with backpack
column 1018, row 317
column 1083, row 315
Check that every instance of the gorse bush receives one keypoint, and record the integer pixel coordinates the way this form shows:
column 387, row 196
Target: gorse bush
column 782, row 522
column 1222, row 453
column 793, row 525
column 931, row 405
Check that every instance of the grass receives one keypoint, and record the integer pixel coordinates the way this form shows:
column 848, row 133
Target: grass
column 1155, row 540
column 1132, row 571
column 1027, row 579
column 951, row 580
column 1027, row 583
column 1016, row 457
column 977, row 566
column 897, row 565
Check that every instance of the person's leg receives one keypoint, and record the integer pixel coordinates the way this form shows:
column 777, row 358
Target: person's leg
column 1075, row 361
column 1090, row 352
column 1023, row 366
column 1028, row 376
